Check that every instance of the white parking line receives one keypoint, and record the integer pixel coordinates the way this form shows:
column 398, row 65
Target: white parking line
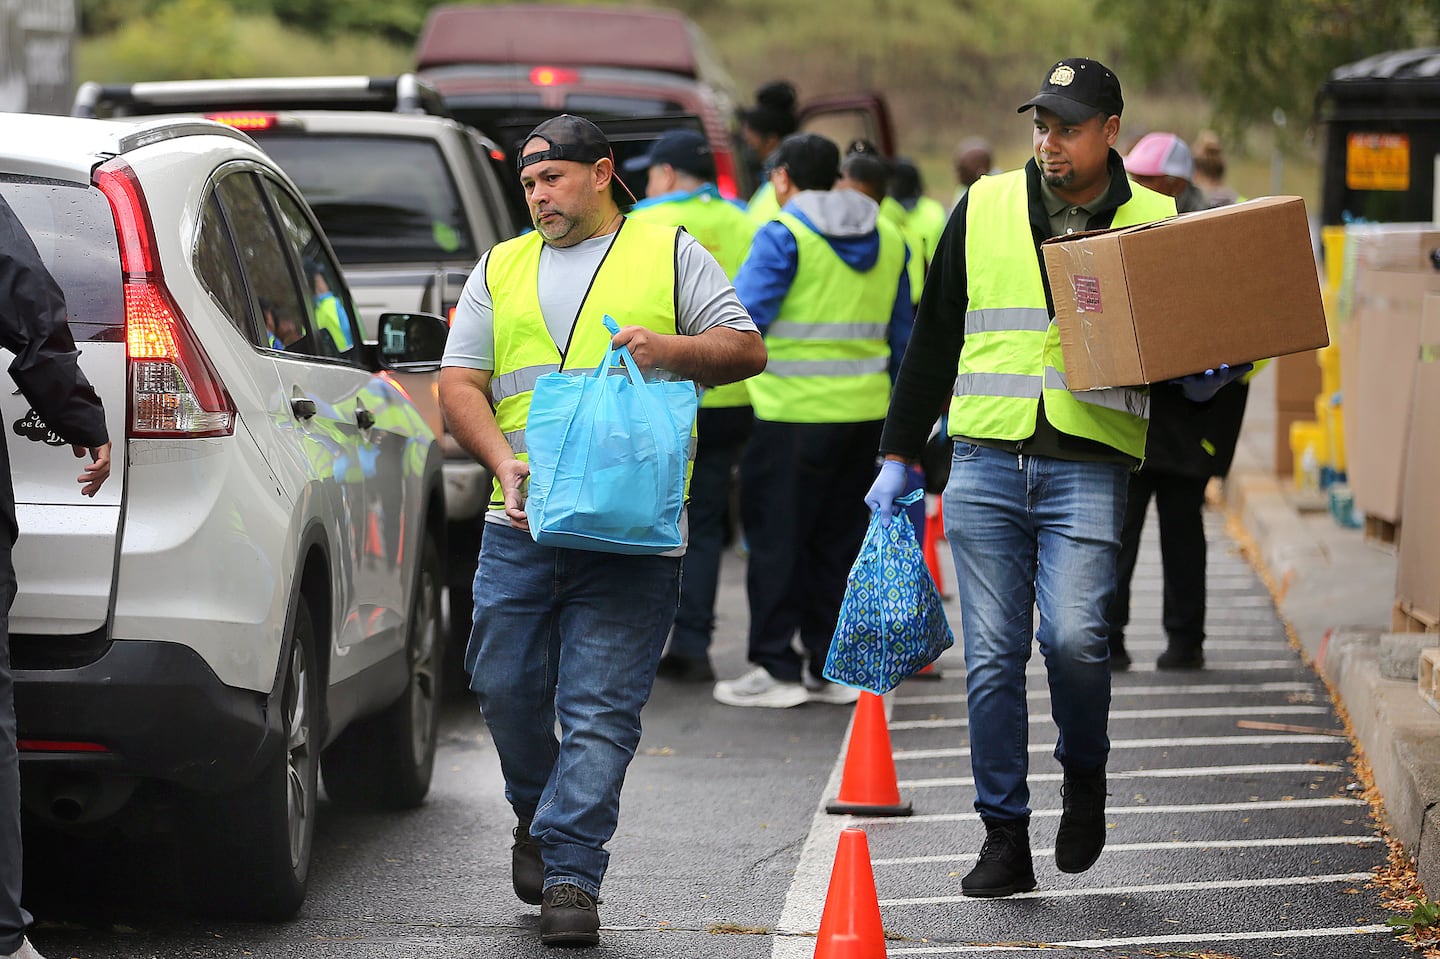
column 1118, row 691
column 1177, row 712
column 1115, row 744
column 1186, row 938
column 1180, row 772
column 1143, row 890
column 1113, row 848
column 1155, row 810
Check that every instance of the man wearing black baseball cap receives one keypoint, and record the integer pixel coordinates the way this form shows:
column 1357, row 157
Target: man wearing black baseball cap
column 1038, row 476
column 570, row 636
column 680, row 190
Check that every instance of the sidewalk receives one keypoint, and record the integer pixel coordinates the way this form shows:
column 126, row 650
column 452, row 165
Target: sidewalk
column 1335, row 591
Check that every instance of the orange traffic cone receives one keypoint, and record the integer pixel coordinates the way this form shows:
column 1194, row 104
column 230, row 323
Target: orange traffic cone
column 867, row 784
column 850, row 926
column 934, row 532
column 928, row 671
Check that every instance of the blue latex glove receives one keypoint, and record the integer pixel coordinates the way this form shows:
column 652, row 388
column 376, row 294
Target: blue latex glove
column 888, row 487
column 1200, row 387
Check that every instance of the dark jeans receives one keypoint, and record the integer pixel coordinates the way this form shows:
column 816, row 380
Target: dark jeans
column 13, row 919
column 722, row 436
column 802, row 494
column 1180, row 502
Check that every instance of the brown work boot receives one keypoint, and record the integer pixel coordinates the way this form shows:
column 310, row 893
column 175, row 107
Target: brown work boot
column 527, row 867
column 568, row 917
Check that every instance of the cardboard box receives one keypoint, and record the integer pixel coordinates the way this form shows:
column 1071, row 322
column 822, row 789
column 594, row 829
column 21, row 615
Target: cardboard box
column 1417, row 569
column 1297, row 378
column 1394, row 247
column 1384, row 337
column 1149, row 303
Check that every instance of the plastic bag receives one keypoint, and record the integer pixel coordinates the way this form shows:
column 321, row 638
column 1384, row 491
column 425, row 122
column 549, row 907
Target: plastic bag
column 608, row 456
column 891, row 623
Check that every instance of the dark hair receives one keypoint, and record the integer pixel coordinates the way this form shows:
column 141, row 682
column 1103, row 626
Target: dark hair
column 774, row 111
column 905, row 180
column 812, row 161
column 864, row 165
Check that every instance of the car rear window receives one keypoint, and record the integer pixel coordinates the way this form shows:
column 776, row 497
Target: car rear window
column 379, row 199
column 72, row 227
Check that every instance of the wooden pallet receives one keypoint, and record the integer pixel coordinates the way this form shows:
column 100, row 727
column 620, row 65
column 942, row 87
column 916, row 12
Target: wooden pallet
column 1430, row 677
column 1381, row 532
column 1405, row 618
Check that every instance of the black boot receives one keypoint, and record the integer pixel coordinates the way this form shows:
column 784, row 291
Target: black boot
column 1004, row 866
column 527, row 868
column 1181, row 657
column 1119, row 659
column 1081, row 835
column 568, row 917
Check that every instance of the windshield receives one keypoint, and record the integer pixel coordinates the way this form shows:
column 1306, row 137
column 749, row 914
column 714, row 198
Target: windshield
column 379, row 199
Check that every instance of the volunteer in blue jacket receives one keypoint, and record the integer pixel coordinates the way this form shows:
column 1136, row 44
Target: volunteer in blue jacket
column 680, row 190
column 826, row 283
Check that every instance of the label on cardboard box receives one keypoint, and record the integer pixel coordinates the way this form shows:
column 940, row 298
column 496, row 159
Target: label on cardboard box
column 1154, row 302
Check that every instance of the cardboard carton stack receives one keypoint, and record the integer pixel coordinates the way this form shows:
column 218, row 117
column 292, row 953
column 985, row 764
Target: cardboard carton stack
column 1417, row 569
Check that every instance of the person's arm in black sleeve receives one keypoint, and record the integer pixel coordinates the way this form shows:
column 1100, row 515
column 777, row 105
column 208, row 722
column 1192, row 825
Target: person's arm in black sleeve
column 927, row 373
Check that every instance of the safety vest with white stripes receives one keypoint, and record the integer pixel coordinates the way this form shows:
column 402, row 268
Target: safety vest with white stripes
column 1012, row 356
column 635, row 284
column 829, row 349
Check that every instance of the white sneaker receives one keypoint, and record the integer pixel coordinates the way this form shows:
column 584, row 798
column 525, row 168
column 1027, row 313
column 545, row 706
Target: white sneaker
column 26, row 951
column 759, row 688
column 824, row 691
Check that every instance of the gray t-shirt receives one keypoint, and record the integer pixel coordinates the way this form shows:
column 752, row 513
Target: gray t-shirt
column 704, row 295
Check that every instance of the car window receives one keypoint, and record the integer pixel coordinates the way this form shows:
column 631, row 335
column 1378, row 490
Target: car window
column 267, row 266
column 74, row 231
column 218, row 267
column 331, row 312
column 379, row 199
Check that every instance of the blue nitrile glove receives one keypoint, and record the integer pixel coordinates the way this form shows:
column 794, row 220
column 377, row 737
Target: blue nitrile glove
column 888, row 487
column 1200, row 387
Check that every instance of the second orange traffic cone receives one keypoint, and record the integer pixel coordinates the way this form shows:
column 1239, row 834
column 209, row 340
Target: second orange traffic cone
column 850, row 926
column 930, row 550
column 867, row 783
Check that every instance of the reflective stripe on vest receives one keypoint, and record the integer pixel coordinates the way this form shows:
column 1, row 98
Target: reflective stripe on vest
column 1012, row 356
column 829, row 357
column 629, row 285
column 726, row 231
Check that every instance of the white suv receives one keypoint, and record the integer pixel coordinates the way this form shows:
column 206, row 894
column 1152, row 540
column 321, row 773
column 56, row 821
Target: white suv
column 261, row 578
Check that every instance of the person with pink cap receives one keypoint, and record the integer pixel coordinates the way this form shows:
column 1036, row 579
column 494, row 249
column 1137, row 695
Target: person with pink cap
column 1163, row 162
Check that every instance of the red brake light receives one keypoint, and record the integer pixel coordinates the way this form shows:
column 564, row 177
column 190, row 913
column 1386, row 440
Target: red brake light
column 59, row 746
column 725, row 176
column 245, row 121
column 174, row 389
column 497, row 154
column 551, row 76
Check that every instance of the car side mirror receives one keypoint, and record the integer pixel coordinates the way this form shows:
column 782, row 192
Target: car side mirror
column 412, row 342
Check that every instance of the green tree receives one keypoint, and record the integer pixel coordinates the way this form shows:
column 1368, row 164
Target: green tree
column 1250, row 58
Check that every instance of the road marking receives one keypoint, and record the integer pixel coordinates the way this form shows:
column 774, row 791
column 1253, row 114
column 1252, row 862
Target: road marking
column 1177, row 712
column 1118, row 691
column 1263, row 805
column 900, row 754
column 1179, row 772
column 1142, row 890
column 1182, row 938
column 1111, row 848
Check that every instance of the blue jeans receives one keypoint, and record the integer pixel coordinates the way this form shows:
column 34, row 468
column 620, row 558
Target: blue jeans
column 573, row 636
column 1028, row 531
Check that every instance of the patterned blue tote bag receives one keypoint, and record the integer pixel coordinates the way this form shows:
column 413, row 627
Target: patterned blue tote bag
column 608, row 456
column 891, row 622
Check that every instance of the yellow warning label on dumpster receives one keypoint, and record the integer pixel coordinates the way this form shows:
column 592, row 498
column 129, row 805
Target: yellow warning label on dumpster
column 1377, row 161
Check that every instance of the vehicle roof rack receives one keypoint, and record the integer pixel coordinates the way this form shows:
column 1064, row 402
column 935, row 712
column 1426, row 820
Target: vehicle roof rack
column 403, row 93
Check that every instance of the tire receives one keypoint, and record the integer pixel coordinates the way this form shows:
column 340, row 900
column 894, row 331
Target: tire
column 249, row 850
column 385, row 761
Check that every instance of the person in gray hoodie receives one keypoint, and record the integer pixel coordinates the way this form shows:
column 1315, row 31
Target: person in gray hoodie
column 825, row 281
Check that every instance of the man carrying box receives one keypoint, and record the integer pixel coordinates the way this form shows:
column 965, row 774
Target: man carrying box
column 1037, row 485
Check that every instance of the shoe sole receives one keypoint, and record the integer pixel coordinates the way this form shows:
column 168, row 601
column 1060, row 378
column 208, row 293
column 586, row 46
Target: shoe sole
column 832, row 699
column 578, row 939
column 998, row 892
column 1072, row 870
column 769, row 700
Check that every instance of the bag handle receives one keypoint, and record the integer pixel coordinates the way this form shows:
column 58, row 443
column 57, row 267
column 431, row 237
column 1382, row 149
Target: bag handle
column 631, row 366
column 910, row 498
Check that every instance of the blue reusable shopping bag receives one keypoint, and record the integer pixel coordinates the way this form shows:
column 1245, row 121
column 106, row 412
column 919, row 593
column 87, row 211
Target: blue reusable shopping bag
column 891, row 622
column 608, row 455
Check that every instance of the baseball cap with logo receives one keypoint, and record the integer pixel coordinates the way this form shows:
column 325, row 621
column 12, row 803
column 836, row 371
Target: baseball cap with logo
column 1076, row 89
column 686, row 150
column 574, row 138
column 1160, row 154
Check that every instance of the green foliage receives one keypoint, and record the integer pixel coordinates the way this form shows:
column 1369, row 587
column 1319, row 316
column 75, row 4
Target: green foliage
column 1250, row 59
column 1424, row 915
column 398, row 21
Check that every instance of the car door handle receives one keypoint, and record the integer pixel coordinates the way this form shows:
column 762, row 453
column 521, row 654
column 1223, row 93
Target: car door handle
column 303, row 407
column 365, row 418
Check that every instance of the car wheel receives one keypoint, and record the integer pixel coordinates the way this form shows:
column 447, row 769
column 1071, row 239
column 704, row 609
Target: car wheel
column 249, row 850
column 385, row 761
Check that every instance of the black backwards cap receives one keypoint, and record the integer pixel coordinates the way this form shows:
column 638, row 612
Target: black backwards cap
column 571, row 138
column 812, row 161
column 1076, row 89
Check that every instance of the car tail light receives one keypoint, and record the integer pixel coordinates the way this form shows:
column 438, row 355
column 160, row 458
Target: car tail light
column 59, row 746
column 725, row 176
column 552, row 76
column 249, row 122
column 174, row 389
